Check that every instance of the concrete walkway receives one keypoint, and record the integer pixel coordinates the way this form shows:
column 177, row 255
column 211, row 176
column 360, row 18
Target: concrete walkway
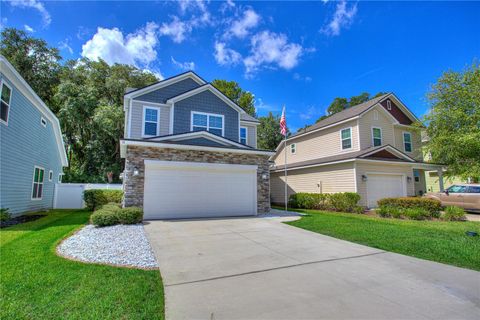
column 254, row 268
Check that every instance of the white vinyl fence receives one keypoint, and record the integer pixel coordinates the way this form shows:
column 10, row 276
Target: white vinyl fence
column 70, row 195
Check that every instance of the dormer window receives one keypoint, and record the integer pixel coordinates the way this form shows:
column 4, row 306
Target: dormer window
column 243, row 135
column 346, row 137
column 389, row 105
column 151, row 117
column 212, row 123
column 6, row 94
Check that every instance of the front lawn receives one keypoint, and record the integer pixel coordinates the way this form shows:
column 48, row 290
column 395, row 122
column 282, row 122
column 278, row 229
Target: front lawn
column 444, row 242
column 38, row 284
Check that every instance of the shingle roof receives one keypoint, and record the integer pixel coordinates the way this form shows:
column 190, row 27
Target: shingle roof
column 340, row 157
column 247, row 117
column 345, row 114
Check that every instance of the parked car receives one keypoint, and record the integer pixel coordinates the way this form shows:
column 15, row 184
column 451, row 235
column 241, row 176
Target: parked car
column 466, row 196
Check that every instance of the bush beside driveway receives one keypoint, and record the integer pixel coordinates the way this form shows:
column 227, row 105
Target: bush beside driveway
column 38, row 284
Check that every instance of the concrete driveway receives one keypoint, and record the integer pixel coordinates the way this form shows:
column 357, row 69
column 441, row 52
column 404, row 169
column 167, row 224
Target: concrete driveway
column 256, row 268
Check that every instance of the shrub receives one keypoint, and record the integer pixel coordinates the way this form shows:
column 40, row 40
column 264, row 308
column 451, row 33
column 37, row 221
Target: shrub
column 5, row 215
column 130, row 215
column 389, row 211
column 453, row 213
column 96, row 198
column 344, row 201
column 104, row 217
column 307, row 200
column 431, row 205
column 416, row 213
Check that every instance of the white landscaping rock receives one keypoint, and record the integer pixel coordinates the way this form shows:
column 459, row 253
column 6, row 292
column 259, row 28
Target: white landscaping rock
column 122, row 245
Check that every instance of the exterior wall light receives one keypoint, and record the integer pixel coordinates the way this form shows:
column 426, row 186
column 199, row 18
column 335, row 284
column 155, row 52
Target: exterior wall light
column 264, row 176
column 135, row 171
column 364, row 178
column 409, row 179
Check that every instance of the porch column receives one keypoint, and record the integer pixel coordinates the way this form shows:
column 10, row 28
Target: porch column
column 440, row 179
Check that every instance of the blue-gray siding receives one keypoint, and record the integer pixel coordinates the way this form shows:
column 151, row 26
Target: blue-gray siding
column 163, row 94
column 200, row 142
column 25, row 143
column 207, row 102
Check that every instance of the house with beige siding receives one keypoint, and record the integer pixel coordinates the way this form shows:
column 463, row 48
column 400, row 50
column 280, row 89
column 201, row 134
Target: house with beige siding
column 372, row 149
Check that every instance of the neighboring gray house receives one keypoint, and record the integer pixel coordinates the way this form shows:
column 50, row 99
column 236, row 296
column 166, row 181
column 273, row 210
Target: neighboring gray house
column 32, row 153
column 191, row 152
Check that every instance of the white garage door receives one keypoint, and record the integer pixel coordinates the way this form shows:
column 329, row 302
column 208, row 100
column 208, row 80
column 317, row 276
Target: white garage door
column 195, row 190
column 381, row 186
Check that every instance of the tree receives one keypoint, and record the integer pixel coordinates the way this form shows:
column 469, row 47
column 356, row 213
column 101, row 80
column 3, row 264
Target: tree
column 338, row 104
column 36, row 62
column 453, row 123
column 231, row 89
column 361, row 98
column 268, row 135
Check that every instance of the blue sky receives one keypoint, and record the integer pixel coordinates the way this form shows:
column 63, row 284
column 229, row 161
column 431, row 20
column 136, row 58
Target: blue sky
column 301, row 54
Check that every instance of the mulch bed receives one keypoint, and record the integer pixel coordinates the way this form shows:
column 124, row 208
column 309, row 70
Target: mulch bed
column 20, row 219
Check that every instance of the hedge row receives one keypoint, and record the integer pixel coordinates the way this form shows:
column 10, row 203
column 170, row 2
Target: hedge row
column 96, row 198
column 406, row 213
column 111, row 214
column 431, row 205
column 343, row 201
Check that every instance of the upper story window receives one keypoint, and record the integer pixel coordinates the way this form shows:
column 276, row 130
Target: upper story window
column 6, row 95
column 346, row 135
column 151, row 121
column 377, row 137
column 43, row 122
column 407, row 141
column 37, row 189
column 243, row 135
column 212, row 123
column 389, row 105
column 50, row 175
column 293, row 148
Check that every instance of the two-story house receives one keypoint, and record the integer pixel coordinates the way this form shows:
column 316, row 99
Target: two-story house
column 191, row 152
column 371, row 148
column 32, row 154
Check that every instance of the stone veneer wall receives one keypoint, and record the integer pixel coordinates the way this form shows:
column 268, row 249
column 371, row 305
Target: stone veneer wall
column 133, row 185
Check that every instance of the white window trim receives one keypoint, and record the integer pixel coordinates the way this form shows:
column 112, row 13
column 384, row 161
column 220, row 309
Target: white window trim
column 33, row 182
column 389, row 105
column 60, row 177
column 50, row 175
column 351, row 139
column 294, row 151
column 43, row 122
column 208, row 120
column 143, row 121
column 246, row 134
column 3, row 83
column 411, row 142
column 373, row 137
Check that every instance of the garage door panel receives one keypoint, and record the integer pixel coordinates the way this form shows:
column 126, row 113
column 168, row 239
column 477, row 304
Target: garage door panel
column 190, row 192
column 381, row 186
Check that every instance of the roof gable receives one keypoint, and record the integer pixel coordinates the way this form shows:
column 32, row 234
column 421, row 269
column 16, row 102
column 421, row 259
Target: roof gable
column 396, row 112
column 199, row 138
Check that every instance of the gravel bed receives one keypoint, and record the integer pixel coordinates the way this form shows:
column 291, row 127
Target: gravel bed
column 276, row 213
column 122, row 245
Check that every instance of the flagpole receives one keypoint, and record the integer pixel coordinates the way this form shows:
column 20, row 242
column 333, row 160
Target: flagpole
column 286, row 186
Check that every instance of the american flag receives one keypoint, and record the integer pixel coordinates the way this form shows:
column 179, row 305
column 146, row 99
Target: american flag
column 283, row 123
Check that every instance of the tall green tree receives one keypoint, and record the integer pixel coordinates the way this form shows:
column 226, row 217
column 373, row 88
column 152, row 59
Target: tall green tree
column 453, row 122
column 36, row 62
column 268, row 135
column 231, row 89
column 338, row 104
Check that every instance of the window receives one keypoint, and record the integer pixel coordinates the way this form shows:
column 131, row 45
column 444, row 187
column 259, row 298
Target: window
column 377, row 136
column 416, row 175
column 473, row 189
column 243, row 135
column 50, row 175
column 43, row 122
column 37, row 189
column 6, row 95
column 389, row 105
column 212, row 123
column 407, row 141
column 293, row 148
column 346, row 135
column 150, row 121
column 457, row 189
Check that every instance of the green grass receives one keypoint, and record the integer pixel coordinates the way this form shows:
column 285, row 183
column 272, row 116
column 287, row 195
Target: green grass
column 444, row 242
column 37, row 284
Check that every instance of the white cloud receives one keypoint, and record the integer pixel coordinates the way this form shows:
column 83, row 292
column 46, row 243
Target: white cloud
column 184, row 65
column 270, row 48
column 241, row 28
column 311, row 112
column 3, row 22
column 34, row 4
column 155, row 72
column 28, row 28
column 298, row 77
column 263, row 108
column 113, row 47
column 176, row 29
column 226, row 56
column 342, row 18
column 227, row 5
column 65, row 45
